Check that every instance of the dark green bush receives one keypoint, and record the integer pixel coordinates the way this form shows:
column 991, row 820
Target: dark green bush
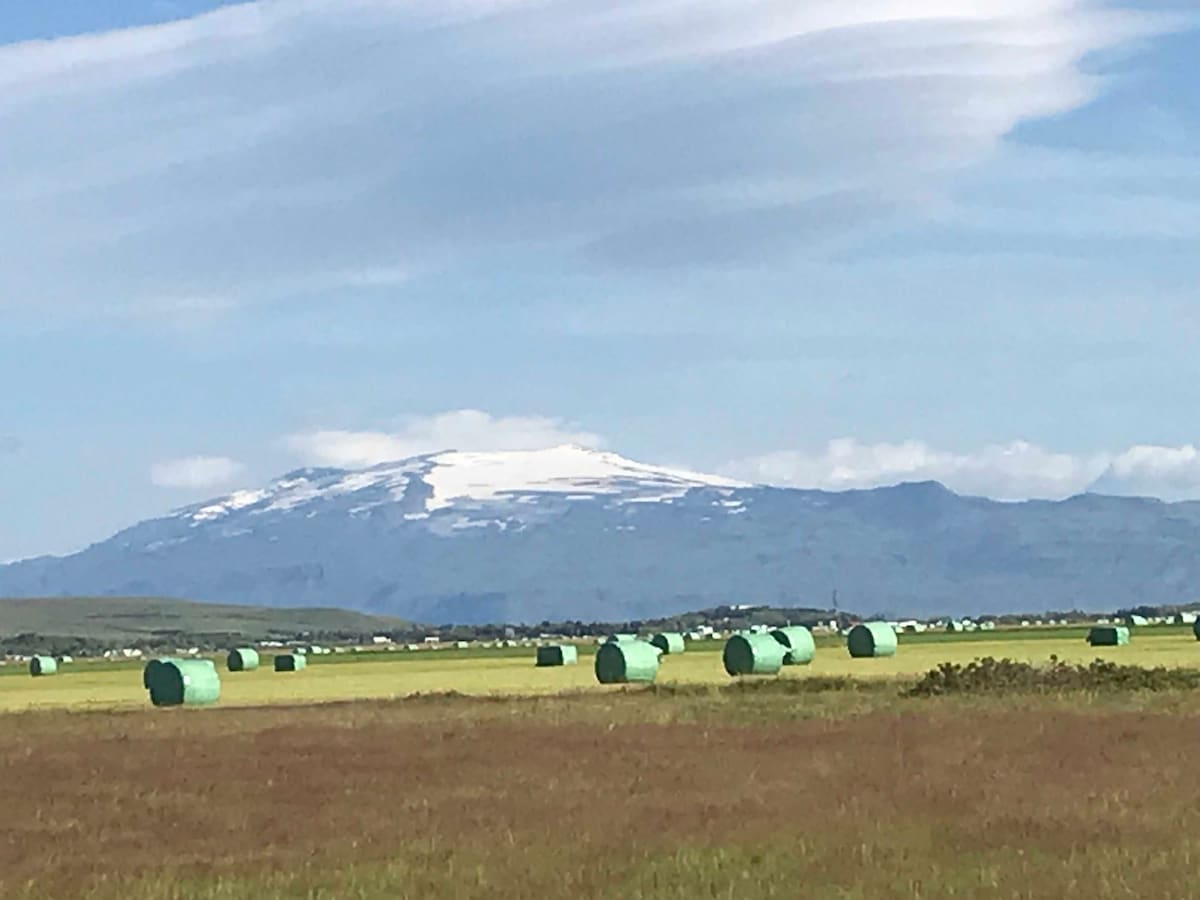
column 812, row 684
column 1007, row 676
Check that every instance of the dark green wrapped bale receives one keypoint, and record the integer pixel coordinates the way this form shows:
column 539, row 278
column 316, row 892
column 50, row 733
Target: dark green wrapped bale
column 1108, row 636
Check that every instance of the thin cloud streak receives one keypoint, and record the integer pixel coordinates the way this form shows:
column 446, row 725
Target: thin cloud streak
column 195, row 472
column 347, row 144
column 464, row 429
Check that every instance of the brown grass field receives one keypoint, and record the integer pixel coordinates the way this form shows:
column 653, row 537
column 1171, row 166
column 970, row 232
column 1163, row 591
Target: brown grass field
column 688, row 792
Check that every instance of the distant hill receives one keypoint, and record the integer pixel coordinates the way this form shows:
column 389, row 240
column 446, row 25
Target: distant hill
column 134, row 618
column 568, row 533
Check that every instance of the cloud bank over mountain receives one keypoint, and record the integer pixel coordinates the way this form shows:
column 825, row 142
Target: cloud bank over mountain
column 1017, row 470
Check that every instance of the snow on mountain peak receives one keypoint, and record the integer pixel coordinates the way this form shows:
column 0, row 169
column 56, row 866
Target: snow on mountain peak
column 454, row 478
column 568, row 469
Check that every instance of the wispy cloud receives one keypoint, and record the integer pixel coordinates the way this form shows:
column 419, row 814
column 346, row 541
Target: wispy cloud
column 465, row 429
column 195, row 472
column 355, row 141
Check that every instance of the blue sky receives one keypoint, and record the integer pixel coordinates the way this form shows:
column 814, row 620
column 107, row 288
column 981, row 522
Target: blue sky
column 808, row 243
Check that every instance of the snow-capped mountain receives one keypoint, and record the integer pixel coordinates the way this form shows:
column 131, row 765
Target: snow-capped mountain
column 571, row 533
column 458, row 490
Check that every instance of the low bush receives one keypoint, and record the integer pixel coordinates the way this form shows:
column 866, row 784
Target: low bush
column 810, row 684
column 1008, row 676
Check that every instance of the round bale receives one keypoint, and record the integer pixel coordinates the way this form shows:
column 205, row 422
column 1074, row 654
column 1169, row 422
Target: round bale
column 798, row 644
column 627, row 662
column 557, row 655
column 1108, row 636
column 243, row 659
column 871, row 639
column 148, row 669
column 290, row 662
column 753, row 654
column 669, row 643
column 183, row 682
column 43, row 665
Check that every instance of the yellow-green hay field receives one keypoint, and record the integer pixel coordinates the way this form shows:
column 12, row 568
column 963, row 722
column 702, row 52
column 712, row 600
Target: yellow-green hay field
column 389, row 675
column 764, row 791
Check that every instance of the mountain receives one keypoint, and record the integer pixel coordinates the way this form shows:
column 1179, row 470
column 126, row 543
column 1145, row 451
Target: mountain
column 137, row 619
column 574, row 533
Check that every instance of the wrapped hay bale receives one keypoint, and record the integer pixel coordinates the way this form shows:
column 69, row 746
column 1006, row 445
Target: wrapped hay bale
column 242, row 659
column 1108, row 636
column 557, row 655
column 290, row 662
column 182, row 682
column 798, row 644
column 670, row 643
column 753, row 654
column 871, row 639
column 627, row 662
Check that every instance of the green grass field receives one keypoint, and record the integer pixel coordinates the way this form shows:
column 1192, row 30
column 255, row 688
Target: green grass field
column 510, row 672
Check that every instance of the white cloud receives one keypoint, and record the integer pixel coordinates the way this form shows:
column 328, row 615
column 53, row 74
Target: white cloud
column 1013, row 471
column 1172, row 473
column 195, row 472
column 352, row 142
column 464, row 429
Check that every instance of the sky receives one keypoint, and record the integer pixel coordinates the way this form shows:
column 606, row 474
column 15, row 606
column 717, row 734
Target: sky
column 797, row 242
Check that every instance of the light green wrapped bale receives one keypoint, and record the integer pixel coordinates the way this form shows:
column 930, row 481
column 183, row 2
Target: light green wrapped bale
column 557, row 655
column 798, row 644
column 669, row 643
column 183, row 682
column 753, row 654
column 627, row 662
column 290, row 662
column 243, row 659
column 1108, row 636
column 43, row 665
column 871, row 639
column 621, row 638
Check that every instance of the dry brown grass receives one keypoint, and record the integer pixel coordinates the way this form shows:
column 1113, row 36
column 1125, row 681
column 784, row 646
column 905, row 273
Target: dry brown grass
column 608, row 796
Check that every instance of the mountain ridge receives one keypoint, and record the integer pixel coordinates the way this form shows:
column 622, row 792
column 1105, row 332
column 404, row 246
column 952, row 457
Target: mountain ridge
column 570, row 533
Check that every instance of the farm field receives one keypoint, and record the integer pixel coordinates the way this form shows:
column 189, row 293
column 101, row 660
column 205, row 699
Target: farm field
column 463, row 774
column 763, row 791
column 511, row 672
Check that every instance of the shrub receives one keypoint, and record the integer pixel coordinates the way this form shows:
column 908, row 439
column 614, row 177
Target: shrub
column 1008, row 676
